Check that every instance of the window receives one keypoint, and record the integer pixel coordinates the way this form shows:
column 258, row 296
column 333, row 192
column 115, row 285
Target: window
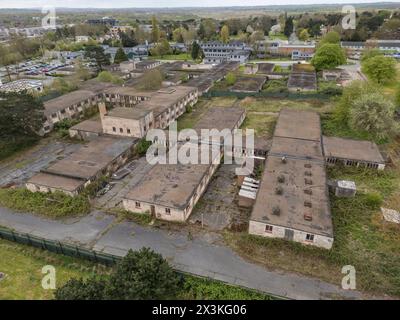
column 121, row 130
column 309, row 237
column 128, row 130
column 137, row 204
column 268, row 228
column 114, row 129
column 168, row 211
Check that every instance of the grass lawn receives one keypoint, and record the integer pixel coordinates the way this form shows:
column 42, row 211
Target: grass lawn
column 23, row 265
column 362, row 238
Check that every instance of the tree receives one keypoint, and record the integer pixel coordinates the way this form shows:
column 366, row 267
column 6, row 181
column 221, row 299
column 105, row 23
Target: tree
column 304, row 35
column 161, row 49
column 106, row 76
column 177, row 35
column 230, row 78
column 152, row 80
column 97, row 53
column 287, row 31
column 120, row 56
column 332, row 37
column 21, row 115
column 374, row 113
column 143, row 275
column 225, row 34
column 91, row 289
column 328, row 56
column 196, row 51
column 140, row 275
column 380, row 69
column 155, row 32
column 350, row 93
column 370, row 53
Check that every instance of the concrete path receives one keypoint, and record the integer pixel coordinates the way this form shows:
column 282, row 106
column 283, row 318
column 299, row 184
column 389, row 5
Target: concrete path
column 203, row 255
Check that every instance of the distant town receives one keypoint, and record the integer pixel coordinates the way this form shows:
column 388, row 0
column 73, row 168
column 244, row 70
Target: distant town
column 79, row 100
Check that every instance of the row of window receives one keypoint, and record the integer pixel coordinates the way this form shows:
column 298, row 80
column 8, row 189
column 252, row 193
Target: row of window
column 121, row 130
column 309, row 236
column 138, row 206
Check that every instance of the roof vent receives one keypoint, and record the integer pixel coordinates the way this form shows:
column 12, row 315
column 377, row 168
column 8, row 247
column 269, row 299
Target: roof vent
column 276, row 211
column 308, row 181
column 283, row 159
column 308, row 165
column 279, row 190
column 308, row 191
column 308, row 173
column 281, row 178
column 308, row 216
column 308, row 204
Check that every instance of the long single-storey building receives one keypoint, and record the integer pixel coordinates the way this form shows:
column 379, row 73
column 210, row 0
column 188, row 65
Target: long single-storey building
column 101, row 156
column 353, row 153
column 293, row 201
column 170, row 191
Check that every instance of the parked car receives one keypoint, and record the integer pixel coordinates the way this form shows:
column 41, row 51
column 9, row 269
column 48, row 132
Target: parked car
column 120, row 174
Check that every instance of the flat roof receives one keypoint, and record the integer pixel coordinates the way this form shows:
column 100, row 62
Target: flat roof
column 297, row 148
column 220, row 118
column 91, row 158
column 265, row 67
column 56, row 182
column 292, row 202
column 67, row 100
column 89, row 126
column 135, row 113
column 298, row 124
column 303, row 80
column 129, row 91
column 352, row 149
column 170, row 185
column 162, row 100
column 249, row 84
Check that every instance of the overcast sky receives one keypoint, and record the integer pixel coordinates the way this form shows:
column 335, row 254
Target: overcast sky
column 159, row 3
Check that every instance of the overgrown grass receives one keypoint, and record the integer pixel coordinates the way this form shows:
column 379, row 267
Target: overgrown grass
column 9, row 147
column 142, row 219
column 331, row 127
column 55, row 205
column 362, row 238
column 195, row 288
column 180, row 56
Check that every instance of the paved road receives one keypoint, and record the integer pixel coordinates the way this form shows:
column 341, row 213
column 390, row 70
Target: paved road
column 204, row 255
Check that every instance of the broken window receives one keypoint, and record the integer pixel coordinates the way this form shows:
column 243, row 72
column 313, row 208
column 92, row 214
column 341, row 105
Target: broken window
column 309, row 237
column 168, row 211
column 268, row 228
column 137, row 204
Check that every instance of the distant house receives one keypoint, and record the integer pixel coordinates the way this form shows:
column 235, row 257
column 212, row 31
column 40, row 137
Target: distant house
column 105, row 21
column 218, row 52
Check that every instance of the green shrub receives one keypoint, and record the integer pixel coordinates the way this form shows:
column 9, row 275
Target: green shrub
column 373, row 200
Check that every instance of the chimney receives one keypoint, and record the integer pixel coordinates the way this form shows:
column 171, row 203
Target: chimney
column 102, row 109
